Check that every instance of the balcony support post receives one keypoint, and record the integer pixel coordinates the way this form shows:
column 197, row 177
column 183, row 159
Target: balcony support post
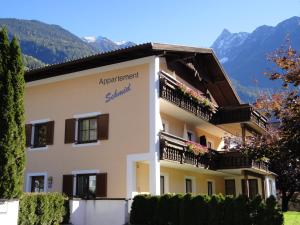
column 246, row 184
column 243, row 133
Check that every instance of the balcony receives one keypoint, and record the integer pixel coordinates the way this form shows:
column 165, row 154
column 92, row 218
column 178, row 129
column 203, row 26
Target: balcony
column 235, row 160
column 173, row 148
column 170, row 91
column 241, row 114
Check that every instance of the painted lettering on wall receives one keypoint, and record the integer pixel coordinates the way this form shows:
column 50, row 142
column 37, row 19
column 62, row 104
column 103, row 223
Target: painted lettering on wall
column 118, row 78
column 117, row 93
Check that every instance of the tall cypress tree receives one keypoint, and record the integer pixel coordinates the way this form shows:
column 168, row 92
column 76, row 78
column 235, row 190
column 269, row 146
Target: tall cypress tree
column 18, row 82
column 11, row 118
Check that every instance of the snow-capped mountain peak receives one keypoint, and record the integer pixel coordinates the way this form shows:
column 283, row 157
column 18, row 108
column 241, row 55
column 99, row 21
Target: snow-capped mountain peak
column 89, row 39
column 104, row 44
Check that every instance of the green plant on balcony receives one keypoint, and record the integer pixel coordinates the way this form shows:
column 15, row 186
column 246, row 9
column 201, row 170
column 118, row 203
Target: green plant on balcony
column 196, row 148
column 197, row 96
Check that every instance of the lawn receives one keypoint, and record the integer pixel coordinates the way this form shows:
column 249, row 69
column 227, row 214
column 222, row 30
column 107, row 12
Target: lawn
column 292, row 218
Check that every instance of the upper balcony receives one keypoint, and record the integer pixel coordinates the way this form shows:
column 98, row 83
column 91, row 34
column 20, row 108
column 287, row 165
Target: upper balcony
column 171, row 91
column 245, row 114
column 176, row 149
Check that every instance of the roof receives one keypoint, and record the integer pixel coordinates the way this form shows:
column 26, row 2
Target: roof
column 220, row 84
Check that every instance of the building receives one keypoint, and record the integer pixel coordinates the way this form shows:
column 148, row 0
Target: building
column 128, row 121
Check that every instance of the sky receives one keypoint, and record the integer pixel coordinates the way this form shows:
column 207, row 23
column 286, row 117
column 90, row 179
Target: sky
column 187, row 22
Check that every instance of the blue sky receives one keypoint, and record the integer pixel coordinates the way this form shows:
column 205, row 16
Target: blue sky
column 189, row 22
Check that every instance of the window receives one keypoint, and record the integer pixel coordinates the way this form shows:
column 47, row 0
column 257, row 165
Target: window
column 162, row 185
column 165, row 126
column 253, row 188
column 202, row 140
column 210, row 188
column 190, row 136
column 37, row 184
column 86, row 185
column 230, row 187
column 40, row 135
column 209, row 144
column 188, row 185
column 87, row 130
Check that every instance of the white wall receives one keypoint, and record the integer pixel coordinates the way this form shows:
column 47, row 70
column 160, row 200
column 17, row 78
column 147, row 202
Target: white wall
column 9, row 212
column 104, row 212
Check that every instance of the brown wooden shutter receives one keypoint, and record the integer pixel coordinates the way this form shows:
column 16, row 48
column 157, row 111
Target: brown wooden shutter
column 103, row 126
column 70, row 131
column 50, row 132
column 68, row 185
column 28, row 130
column 101, row 185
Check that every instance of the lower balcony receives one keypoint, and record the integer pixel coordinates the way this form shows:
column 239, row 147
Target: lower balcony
column 175, row 149
column 235, row 160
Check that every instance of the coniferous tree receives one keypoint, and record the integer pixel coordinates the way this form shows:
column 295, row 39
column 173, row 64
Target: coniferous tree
column 11, row 118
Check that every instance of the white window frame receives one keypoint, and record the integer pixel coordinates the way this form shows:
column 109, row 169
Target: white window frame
column 30, row 175
column 213, row 186
column 83, row 116
column 166, row 122
column 193, row 135
column 33, row 123
column 166, row 184
column 212, row 143
column 78, row 172
column 193, row 179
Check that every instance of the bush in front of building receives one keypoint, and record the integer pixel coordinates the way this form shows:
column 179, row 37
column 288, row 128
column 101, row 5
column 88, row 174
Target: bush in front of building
column 42, row 208
column 204, row 210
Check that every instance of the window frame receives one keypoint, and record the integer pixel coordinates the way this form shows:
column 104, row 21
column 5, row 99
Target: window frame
column 35, row 128
column 86, row 195
column 213, row 191
column 193, row 184
column 226, row 187
column 33, row 124
column 78, row 121
column 29, row 181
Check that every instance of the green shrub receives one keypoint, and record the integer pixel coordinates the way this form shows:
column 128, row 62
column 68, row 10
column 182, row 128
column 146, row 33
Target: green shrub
column 42, row 209
column 164, row 213
column 204, row 210
column 200, row 208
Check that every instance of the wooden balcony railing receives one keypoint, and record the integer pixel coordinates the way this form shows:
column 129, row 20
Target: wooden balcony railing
column 169, row 91
column 174, row 149
column 235, row 160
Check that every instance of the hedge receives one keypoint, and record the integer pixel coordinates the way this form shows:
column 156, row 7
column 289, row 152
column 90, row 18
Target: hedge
column 42, row 209
column 204, row 210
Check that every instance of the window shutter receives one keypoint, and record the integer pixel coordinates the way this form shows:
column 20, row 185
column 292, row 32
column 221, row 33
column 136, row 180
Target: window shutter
column 50, row 132
column 28, row 130
column 68, row 185
column 101, row 185
column 70, row 130
column 103, row 125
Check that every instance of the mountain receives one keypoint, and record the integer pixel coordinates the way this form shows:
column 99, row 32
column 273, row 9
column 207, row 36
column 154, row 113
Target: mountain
column 104, row 44
column 46, row 43
column 244, row 55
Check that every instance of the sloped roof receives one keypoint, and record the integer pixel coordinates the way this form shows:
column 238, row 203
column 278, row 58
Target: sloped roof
column 224, row 93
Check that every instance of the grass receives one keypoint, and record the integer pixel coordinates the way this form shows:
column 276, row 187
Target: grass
column 292, row 218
